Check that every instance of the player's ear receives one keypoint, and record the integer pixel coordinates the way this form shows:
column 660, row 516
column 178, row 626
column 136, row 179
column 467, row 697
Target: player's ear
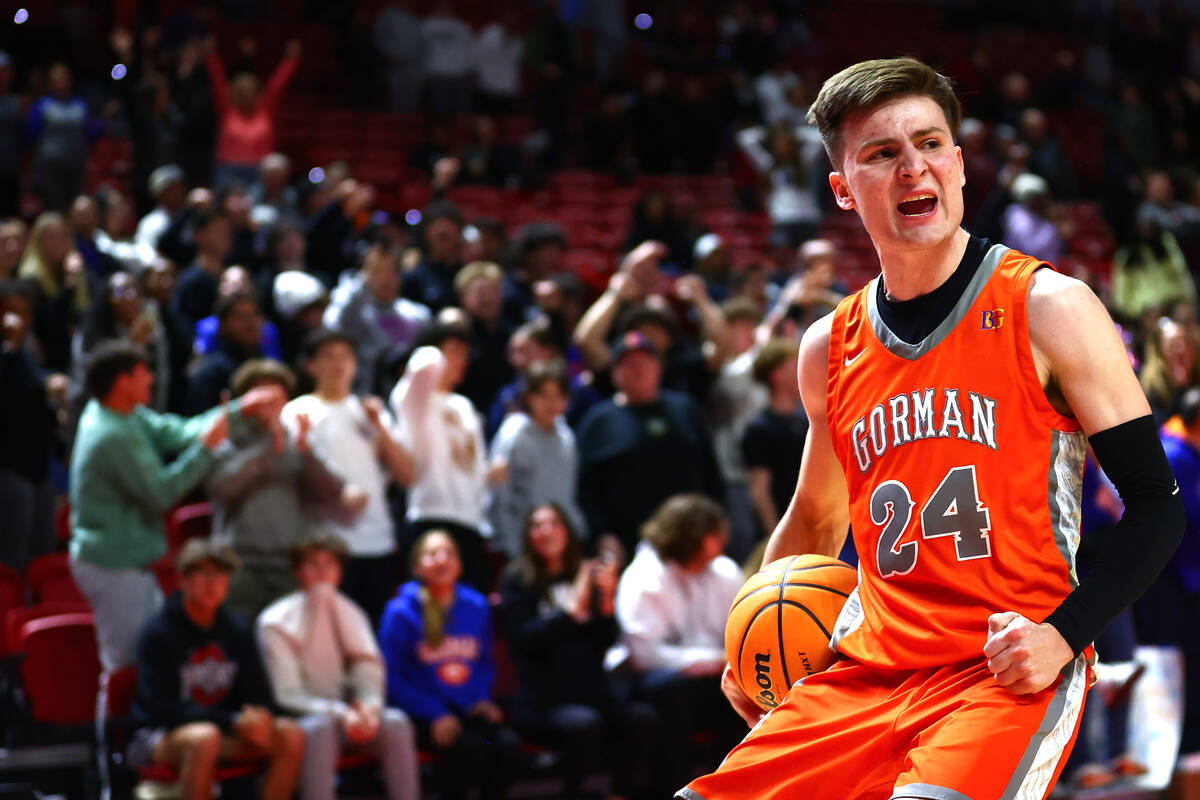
column 841, row 191
column 962, row 169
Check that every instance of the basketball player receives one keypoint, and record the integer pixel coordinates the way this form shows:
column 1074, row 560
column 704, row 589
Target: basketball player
column 951, row 402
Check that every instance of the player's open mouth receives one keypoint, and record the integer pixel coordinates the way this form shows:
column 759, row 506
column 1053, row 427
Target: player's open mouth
column 919, row 206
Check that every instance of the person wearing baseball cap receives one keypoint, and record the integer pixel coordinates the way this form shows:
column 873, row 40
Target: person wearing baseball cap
column 202, row 695
column 168, row 187
column 642, row 446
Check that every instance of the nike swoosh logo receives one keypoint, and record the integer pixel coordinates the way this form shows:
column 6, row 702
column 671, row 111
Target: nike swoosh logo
column 1176, row 488
column 850, row 361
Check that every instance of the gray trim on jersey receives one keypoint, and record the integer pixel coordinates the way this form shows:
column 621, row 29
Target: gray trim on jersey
column 1067, row 453
column 687, row 794
column 914, row 351
column 927, row 791
column 1053, row 718
column 849, row 619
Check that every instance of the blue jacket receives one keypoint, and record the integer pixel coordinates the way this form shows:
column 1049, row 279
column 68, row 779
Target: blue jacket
column 1185, row 463
column 429, row 682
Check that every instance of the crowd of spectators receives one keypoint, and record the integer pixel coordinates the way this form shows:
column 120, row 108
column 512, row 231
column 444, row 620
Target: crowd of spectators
column 419, row 436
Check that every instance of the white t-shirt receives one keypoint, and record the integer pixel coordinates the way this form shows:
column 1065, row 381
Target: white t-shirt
column 671, row 618
column 498, row 61
column 445, row 436
column 343, row 438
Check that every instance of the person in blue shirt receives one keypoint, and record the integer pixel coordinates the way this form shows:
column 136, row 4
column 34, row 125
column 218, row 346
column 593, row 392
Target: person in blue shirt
column 436, row 638
column 1169, row 612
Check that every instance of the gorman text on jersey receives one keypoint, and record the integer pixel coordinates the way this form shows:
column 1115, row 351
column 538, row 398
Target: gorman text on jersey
column 924, row 414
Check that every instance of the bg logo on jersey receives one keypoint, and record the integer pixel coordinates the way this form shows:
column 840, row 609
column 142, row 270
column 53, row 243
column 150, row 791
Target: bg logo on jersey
column 993, row 319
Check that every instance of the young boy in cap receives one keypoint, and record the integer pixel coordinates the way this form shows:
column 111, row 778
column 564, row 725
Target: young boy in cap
column 202, row 697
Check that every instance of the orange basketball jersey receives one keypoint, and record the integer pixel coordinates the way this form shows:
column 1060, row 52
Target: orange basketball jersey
column 964, row 481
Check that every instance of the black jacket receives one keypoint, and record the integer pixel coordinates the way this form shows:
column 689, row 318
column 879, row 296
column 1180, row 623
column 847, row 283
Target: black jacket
column 558, row 659
column 187, row 674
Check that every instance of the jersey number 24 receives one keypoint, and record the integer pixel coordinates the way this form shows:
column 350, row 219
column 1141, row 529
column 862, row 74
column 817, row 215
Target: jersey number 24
column 954, row 509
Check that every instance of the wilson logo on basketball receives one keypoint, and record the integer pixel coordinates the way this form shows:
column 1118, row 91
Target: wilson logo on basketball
column 779, row 625
column 762, row 676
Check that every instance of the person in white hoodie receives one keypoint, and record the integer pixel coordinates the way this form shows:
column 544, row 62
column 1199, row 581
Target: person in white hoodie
column 444, row 434
column 325, row 667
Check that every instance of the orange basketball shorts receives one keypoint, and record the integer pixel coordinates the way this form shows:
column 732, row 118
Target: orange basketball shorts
column 948, row 733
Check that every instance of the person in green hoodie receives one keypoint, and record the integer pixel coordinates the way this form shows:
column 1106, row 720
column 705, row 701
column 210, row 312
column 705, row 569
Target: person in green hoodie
column 129, row 467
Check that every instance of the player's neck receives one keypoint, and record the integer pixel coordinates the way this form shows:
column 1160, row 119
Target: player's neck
column 912, row 273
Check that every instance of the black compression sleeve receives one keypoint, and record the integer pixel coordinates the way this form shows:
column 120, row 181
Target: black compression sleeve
column 1133, row 552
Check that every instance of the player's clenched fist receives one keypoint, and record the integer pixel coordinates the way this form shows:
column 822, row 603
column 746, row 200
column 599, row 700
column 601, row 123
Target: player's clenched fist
column 1024, row 656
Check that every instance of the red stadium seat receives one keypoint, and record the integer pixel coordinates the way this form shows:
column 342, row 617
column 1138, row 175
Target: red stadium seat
column 15, row 619
column 12, row 589
column 61, row 668
column 121, row 687
column 50, row 579
column 187, row 522
column 62, row 522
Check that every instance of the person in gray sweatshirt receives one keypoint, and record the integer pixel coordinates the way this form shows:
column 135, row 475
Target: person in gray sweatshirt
column 266, row 489
column 543, row 460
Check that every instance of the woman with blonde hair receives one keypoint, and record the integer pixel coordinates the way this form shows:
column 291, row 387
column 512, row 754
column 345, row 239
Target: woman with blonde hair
column 436, row 638
column 1170, row 367
column 57, row 269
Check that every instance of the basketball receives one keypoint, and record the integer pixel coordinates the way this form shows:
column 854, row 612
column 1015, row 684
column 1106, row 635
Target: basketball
column 780, row 623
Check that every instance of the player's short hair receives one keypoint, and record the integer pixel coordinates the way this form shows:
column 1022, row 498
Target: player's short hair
column 864, row 86
column 773, row 353
column 109, row 361
column 678, row 528
column 314, row 543
column 257, row 371
column 474, row 271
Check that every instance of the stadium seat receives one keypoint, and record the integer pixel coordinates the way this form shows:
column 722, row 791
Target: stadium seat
column 61, row 668
column 62, row 522
column 121, row 687
column 186, row 522
column 50, row 579
column 16, row 618
column 12, row 589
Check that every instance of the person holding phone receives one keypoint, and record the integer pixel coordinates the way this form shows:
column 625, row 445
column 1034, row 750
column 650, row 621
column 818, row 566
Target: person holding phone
column 558, row 612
